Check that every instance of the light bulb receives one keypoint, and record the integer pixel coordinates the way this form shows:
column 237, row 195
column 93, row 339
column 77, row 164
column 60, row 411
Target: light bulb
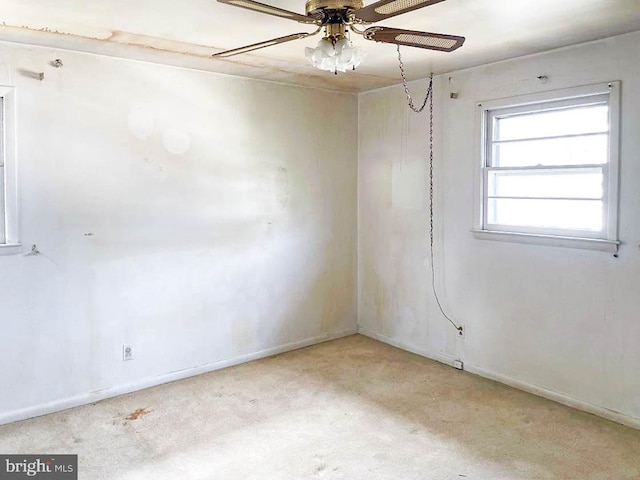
column 341, row 45
column 327, row 47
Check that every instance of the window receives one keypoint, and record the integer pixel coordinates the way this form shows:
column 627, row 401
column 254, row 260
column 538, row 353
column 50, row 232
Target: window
column 549, row 169
column 8, row 179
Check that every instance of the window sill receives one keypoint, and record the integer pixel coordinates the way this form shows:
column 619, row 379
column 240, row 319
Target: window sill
column 10, row 248
column 610, row 246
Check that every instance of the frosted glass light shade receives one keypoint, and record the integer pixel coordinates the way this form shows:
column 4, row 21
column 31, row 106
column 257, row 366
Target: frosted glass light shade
column 336, row 58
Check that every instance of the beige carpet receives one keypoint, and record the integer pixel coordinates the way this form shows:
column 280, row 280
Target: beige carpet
column 348, row 409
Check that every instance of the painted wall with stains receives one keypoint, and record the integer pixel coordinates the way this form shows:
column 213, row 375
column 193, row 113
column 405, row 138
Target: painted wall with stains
column 201, row 218
column 561, row 320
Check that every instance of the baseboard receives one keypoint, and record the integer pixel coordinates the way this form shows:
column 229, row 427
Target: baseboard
column 96, row 396
column 438, row 357
column 561, row 398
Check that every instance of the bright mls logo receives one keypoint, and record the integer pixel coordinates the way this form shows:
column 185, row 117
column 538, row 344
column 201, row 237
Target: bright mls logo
column 51, row 467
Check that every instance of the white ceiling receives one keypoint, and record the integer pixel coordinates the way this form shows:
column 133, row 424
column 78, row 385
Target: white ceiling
column 187, row 32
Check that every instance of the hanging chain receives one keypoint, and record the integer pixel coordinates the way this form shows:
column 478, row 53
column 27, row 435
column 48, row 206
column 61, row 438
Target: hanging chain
column 429, row 98
column 406, row 87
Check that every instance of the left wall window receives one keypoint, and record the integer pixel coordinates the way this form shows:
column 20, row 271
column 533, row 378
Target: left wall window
column 9, row 242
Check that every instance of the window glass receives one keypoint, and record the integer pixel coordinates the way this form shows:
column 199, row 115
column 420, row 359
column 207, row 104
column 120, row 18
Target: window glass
column 558, row 214
column 583, row 150
column 550, row 165
column 579, row 183
column 553, row 123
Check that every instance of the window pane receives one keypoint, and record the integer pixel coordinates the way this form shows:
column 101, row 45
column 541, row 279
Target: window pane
column 553, row 123
column 583, row 183
column 560, row 214
column 592, row 149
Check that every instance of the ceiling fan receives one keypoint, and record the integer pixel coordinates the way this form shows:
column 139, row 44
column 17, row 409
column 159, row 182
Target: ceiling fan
column 335, row 52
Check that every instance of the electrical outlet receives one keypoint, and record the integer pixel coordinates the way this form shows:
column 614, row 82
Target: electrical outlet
column 458, row 364
column 127, row 352
column 461, row 332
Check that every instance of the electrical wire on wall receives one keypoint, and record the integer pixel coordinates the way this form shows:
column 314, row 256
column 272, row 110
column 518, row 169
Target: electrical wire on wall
column 429, row 98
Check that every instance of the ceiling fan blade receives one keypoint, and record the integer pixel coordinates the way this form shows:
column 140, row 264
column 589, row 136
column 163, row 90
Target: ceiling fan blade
column 412, row 38
column 268, row 9
column 268, row 43
column 390, row 8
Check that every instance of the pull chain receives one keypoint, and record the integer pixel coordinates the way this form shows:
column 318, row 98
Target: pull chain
column 429, row 97
column 406, row 87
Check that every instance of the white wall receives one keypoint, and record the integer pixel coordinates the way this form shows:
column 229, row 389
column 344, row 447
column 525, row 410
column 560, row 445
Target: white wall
column 240, row 243
column 561, row 321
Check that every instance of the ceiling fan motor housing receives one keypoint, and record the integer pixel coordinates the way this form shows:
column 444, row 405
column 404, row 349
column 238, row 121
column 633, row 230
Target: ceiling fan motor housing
column 332, row 11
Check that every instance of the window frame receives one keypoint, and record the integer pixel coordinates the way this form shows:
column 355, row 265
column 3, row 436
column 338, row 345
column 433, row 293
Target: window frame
column 9, row 241
column 607, row 239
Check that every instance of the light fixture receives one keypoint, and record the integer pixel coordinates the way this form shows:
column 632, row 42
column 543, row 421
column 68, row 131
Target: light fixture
column 335, row 52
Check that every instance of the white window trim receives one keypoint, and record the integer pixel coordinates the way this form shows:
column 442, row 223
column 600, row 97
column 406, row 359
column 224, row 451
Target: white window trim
column 611, row 243
column 11, row 244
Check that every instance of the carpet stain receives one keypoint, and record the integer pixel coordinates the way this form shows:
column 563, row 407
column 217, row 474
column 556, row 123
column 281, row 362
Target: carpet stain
column 319, row 470
column 140, row 412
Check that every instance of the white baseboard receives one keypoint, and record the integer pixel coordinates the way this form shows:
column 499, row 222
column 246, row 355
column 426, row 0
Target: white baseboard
column 520, row 385
column 438, row 357
column 92, row 397
column 556, row 397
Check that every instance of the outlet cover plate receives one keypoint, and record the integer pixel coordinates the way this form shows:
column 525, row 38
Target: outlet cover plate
column 127, row 352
